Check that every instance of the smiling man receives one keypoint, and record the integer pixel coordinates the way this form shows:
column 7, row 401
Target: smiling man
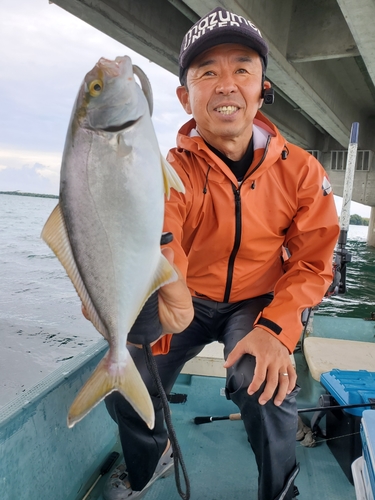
column 249, row 195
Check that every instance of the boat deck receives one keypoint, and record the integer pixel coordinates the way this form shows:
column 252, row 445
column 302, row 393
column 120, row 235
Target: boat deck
column 41, row 459
column 218, row 457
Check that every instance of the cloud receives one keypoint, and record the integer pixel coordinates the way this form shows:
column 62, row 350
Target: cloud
column 36, row 178
column 355, row 208
column 41, row 76
column 31, row 171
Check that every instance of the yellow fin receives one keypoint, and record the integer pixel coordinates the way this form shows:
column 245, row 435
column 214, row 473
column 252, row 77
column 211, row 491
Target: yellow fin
column 164, row 274
column 108, row 378
column 171, row 178
column 56, row 236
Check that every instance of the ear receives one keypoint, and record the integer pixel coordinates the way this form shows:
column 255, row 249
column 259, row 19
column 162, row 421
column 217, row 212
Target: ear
column 266, row 85
column 183, row 97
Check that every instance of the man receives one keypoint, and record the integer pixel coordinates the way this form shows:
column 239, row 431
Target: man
column 249, row 193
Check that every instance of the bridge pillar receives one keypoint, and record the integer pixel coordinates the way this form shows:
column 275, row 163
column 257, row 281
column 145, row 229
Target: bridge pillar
column 371, row 229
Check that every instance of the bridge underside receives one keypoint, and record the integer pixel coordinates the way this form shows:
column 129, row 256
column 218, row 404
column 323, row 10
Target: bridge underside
column 322, row 65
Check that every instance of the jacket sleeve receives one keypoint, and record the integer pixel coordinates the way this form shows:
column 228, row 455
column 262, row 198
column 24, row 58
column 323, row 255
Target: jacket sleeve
column 310, row 239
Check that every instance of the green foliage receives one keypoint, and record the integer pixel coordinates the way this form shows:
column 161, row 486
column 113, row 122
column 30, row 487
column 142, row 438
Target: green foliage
column 357, row 220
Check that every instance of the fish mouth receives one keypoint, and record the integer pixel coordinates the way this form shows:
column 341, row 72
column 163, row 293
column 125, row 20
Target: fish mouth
column 123, row 126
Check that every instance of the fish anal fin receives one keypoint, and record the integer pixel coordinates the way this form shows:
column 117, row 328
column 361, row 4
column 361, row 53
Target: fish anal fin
column 170, row 178
column 164, row 274
column 106, row 379
column 56, row 236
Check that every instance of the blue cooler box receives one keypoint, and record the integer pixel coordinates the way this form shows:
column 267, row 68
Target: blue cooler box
column 343, row 425
column 368, row 445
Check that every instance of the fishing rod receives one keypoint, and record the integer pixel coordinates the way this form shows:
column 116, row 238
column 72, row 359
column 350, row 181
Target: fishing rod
column 237, row 416
column 342, row 256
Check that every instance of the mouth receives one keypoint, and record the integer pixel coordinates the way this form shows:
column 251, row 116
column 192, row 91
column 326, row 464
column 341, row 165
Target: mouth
column 118, row 128
column 227, row 110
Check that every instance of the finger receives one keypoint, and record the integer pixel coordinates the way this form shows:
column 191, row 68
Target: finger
column 292, row 379
column 271, row 383
column 283, row 387
column 168, row 254
column 234, row 355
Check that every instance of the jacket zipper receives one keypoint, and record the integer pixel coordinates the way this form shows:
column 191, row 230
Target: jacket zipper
column 260, row 161
column 238, row 226
column 237, row 241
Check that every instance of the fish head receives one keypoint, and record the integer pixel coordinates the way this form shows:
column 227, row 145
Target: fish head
column 109, row 98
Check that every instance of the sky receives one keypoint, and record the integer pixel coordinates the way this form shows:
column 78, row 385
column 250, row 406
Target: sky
column 45, row 53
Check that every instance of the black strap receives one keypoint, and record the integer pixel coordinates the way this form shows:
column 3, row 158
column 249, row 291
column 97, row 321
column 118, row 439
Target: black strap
column 177, row 455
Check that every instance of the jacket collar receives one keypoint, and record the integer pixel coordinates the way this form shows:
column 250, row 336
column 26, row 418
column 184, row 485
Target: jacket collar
column 189, row 139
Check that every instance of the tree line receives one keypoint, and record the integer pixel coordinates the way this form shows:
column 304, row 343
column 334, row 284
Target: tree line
column 357, row 220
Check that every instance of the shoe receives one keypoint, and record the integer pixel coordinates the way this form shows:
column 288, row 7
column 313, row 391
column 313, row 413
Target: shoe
column 118, row 487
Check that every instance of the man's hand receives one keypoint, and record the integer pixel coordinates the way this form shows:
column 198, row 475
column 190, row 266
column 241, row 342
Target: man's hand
column 273, row 365
column 175, row 303
column 176, row 310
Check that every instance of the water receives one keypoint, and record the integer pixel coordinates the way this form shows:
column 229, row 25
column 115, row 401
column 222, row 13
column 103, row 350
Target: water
column 41, row 324
column 359, row 300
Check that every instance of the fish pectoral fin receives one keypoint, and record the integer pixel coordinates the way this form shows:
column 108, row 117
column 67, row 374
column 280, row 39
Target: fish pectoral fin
column 106, row 379
column 123, row 149
column 56, row 236
column 171, row 178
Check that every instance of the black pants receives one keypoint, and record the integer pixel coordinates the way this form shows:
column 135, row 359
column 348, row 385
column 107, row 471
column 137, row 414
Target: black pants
column 271, row 429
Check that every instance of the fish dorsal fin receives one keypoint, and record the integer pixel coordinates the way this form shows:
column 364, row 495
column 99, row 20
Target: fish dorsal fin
column 146, row 86
column 170, row 178
column 56, row 236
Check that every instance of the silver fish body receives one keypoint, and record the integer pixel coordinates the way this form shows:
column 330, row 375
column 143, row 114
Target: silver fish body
column 106, row 229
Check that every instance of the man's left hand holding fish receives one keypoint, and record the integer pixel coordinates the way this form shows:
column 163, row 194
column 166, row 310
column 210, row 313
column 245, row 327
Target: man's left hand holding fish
column 175, row 305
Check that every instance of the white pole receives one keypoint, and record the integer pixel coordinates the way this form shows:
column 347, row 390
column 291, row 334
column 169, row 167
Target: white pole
column 342, row 255
column 349, row 177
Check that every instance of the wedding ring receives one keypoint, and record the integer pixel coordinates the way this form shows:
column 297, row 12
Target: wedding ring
column 284, row 374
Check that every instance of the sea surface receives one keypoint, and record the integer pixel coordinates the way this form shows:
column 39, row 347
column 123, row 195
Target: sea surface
column 41, row 324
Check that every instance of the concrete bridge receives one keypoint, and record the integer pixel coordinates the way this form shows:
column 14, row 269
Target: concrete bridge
column 321, row 65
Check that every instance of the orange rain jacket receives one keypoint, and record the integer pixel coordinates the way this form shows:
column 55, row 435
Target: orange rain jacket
column 229, row 237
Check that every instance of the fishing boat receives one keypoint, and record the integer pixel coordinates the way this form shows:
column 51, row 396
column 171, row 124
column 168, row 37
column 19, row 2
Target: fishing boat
column 40, row 458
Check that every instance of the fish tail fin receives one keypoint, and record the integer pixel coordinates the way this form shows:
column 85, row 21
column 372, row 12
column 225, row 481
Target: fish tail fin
column 106, row 379
column 171, row 178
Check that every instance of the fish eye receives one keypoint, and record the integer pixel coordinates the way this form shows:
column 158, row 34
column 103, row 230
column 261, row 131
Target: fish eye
column 95, row 88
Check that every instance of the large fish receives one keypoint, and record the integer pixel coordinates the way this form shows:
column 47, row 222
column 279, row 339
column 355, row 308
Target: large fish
column 107, row 226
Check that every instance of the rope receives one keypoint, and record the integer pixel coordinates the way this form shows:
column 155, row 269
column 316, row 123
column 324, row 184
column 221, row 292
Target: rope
column 177, row 455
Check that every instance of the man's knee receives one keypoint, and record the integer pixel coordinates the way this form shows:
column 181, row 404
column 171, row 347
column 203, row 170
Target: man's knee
column 239, row 377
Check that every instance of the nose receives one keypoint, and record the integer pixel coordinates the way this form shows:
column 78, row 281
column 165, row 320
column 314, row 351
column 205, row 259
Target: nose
column 226, row 84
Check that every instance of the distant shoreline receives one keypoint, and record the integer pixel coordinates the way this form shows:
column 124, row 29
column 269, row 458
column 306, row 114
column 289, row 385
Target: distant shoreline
column 35, row 195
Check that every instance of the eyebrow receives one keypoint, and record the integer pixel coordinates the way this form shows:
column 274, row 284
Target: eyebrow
column 207, row 62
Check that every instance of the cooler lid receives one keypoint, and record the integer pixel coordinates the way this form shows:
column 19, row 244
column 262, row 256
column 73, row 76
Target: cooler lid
column 350, row 387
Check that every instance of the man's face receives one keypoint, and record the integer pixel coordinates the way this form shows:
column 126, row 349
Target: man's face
column 224, row 92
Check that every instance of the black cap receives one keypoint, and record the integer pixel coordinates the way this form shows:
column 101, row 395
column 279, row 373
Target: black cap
column 217, row 27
